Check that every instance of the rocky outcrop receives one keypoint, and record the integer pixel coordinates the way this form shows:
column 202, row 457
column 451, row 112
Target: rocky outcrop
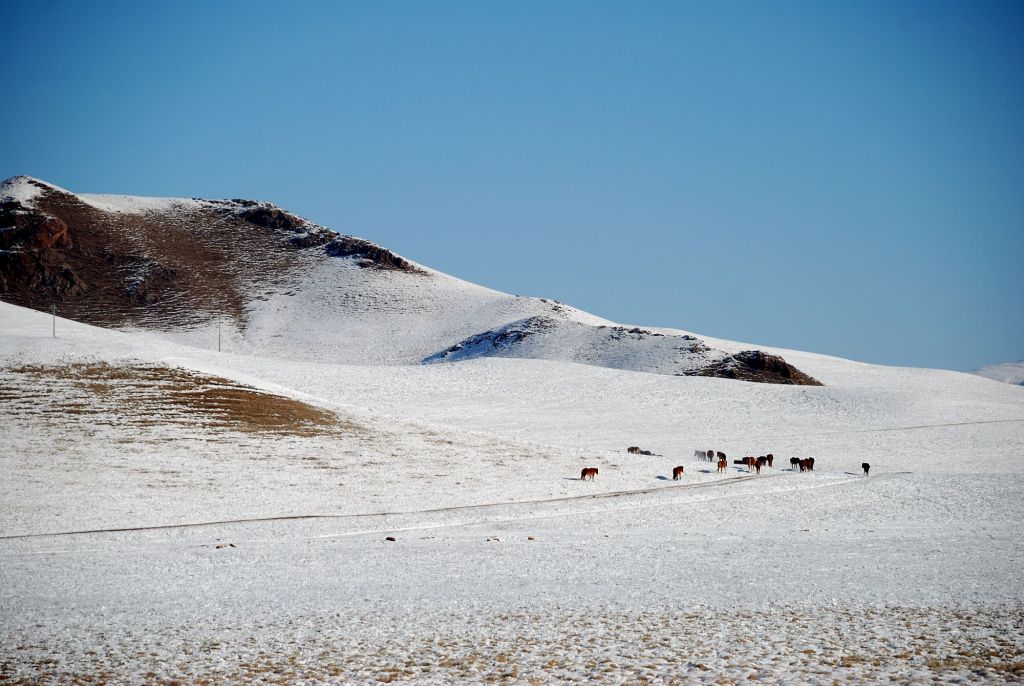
column 305, row 234
column 755, row 365
column 270, row 217
column 369, row 254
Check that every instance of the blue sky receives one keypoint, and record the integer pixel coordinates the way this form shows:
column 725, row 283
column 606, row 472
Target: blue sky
column 845, row 178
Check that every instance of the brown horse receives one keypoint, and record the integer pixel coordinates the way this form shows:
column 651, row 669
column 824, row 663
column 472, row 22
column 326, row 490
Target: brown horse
column 806, row 465
column 588, row 473
column 711, row 455
column 771, row 458
column 633, row 450
column 723, row 465
column 677, row 473
column 750, row 462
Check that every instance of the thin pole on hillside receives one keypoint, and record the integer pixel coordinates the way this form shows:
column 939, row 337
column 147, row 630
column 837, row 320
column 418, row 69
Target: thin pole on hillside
column 218, row 334
column 53, row 311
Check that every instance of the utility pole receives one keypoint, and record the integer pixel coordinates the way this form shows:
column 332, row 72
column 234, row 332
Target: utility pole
column 218, row 334
column 53, row 311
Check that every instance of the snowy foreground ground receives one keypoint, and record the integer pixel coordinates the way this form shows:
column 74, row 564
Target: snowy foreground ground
column 142, row 543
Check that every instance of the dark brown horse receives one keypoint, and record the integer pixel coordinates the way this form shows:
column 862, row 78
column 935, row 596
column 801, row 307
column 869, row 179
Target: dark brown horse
column 806, row 465
column 866, row 467
column 588, row 473
column 677, row 473
column 711, row 455
column 771, row 458
column 721, row 455
column 633, row 449
column 794, row 462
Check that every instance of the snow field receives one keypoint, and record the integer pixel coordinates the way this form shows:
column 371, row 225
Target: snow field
column 811, row 586
column 664, row 645
column 506, row 566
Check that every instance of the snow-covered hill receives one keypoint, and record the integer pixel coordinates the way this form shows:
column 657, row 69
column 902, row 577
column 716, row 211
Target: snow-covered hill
column 135, row 414
column 1007, row 372
column 274, row 284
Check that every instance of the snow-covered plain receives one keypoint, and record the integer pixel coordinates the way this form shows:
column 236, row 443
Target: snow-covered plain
column 220, row 555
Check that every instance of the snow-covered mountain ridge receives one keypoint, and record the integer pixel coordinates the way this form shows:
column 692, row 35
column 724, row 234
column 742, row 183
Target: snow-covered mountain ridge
column 1007, row 372
column 278, row 285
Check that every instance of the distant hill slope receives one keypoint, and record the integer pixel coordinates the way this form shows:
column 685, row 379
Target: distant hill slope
column 280, row 285
column 1007, row 372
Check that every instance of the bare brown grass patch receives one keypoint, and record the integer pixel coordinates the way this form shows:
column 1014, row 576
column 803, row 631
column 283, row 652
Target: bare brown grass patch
column 139, row 395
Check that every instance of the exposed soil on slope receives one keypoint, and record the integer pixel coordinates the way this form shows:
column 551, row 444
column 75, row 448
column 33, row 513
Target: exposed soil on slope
column 157, row 269
column 144, row 395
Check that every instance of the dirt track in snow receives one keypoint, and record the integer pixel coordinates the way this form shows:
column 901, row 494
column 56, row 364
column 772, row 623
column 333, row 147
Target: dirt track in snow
column 499, row 510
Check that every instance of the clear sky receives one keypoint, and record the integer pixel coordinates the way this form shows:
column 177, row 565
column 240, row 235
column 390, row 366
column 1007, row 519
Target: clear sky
column 844, row 178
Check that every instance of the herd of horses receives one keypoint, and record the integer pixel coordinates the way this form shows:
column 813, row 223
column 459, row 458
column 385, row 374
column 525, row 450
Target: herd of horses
column 753, row 464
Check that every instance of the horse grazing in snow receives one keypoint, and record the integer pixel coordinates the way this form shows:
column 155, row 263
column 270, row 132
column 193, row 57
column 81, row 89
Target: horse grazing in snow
column 677, row 473
column 633, row 450
column 588, row 473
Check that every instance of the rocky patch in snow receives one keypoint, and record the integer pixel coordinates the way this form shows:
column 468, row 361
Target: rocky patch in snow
column 754, row 365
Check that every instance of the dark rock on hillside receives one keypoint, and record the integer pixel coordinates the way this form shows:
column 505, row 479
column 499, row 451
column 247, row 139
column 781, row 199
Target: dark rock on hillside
column 755, row 365
column 310, row 235
column 273, row 218
column 369, row 254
